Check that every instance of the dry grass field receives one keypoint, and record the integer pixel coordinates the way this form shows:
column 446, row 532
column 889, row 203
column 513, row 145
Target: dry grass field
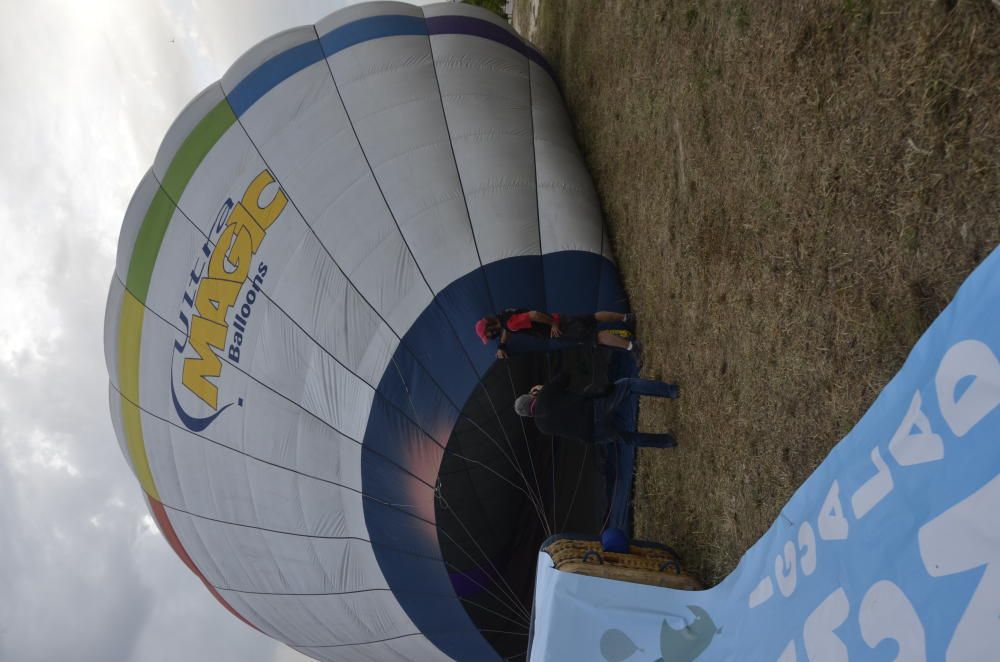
column 794, row 191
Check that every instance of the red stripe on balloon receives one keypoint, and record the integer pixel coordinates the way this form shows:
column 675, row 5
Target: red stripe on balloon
column 160, row 515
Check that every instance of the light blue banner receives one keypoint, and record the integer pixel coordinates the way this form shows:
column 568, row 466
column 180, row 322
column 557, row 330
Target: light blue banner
column 890, row 550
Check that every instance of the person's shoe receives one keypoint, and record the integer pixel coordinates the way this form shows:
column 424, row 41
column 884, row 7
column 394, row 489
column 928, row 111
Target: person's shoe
column 674, row 392
column 630, row 319
column 636, row 352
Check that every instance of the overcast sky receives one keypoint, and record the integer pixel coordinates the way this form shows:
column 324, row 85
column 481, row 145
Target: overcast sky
column 88, row 89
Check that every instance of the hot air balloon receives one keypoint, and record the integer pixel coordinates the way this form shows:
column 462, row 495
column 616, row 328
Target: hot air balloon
column 295, row 379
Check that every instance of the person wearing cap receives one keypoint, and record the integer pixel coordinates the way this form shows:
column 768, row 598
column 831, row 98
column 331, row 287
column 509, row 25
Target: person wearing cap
column 581, row 329
column 588, row 418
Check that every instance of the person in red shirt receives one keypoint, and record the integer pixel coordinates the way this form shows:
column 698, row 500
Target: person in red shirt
column 581, row 329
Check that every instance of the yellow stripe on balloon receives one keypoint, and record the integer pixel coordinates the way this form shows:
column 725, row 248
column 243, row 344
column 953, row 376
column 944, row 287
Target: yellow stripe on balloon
column 129, row 339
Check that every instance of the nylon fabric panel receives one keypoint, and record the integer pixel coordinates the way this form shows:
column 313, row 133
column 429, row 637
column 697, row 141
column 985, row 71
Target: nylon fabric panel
column 333, row 311
column 117, row 422
column 390, row 91
column 129, row 337
column 326, row 620
column 303, row 134
column 189, row 140
column 315, row 535
column 462, row 304
column 166, row 528
column 396, row 438
column 388, row 270
column 572, row 280
column 255, row 560
column 400, row 534
column 164, row 463
column 290, row 436
column 569, row 211
column 298, row 368
column 171, row 152
column 214, row 482
column 138, row 205
column 267, row 64
column 112, row 321
column 487, row 102
column 466, row 11
column 225, row 172
column 611, row 295
column 442, row 353
column 517, row 283
column 359, row 18
column 449, row 360
column 412, row 389
column 182, row 261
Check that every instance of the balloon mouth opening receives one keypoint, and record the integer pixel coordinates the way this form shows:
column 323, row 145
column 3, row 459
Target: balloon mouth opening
column 503, row 488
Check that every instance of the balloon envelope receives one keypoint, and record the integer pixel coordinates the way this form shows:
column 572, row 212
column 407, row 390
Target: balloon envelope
column 295, row 379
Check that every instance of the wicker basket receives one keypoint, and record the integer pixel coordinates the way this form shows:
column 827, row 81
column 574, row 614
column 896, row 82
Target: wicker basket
column 643, row 564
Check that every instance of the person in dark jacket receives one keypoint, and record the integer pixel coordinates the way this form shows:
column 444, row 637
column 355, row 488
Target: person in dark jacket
column 581, row 329
column 588, row 418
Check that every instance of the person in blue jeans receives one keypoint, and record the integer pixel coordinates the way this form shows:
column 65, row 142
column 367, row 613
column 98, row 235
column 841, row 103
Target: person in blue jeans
column 588, row 417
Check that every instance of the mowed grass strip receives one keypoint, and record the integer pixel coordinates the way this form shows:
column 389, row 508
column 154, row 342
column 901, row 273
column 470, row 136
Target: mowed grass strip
column 794, row 192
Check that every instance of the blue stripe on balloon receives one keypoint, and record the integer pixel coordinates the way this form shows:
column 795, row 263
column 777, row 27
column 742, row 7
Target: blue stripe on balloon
column 486, row 30
column 373, row 27
column 516, row 283
column 476, row 28
column 571, row 281
column 575, row 282
column 270, row 74
column 611, row 293
column 285, row 65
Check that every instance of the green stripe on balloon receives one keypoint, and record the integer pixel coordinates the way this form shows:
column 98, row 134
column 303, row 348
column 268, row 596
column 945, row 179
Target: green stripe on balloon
column 192, row 152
